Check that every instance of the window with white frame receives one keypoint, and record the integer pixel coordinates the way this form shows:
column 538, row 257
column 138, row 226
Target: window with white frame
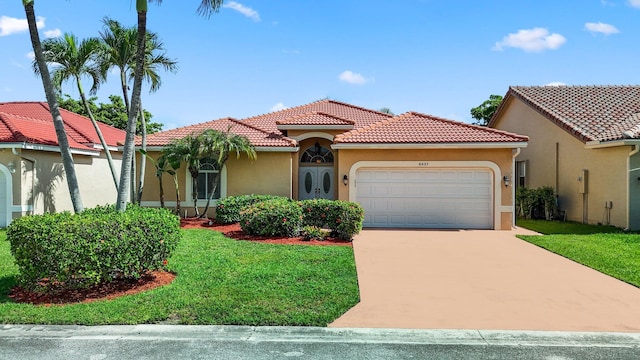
column 521, row 173
column 206, row 177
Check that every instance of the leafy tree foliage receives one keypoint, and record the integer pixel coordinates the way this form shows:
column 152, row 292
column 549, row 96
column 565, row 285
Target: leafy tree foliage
column 114, row 113
column 485, row 111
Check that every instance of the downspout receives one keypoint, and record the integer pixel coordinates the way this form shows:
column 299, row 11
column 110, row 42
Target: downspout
column 633, row 152
column 33, row 173
column 513, row 188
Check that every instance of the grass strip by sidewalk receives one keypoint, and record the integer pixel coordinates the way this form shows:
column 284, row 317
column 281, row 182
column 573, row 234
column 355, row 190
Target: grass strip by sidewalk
column 614, row 254
column 565, row 227
column 219, row 281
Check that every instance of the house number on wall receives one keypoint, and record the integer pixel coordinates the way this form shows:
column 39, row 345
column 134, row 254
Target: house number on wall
column 423, row 163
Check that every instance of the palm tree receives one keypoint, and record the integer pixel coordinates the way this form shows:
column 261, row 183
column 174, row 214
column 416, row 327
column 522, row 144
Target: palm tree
column 165, row 164
column 190, row 150
column 73, row 60
column 63, row 141
column 120, row 44
column 219, row 145
column 206, row 8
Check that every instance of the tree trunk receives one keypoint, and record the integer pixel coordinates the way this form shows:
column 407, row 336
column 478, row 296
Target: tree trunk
column 215, row 186
column 143, row 159
column 63, row 141
column 125, row 89
column 99, row 132
column 127, row 154
column 161, row 192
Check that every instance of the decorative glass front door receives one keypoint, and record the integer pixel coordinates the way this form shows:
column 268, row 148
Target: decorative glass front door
column 316, row 182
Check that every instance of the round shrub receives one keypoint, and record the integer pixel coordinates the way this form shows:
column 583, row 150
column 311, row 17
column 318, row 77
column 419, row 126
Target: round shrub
column 276, row 217
column 344, row 218
column 64, row 251
column 228, row 209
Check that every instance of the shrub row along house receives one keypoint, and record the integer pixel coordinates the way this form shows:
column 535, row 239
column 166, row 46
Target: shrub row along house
column 584, row 142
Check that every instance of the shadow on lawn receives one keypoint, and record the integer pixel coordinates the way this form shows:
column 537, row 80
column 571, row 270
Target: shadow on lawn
column 6, row 283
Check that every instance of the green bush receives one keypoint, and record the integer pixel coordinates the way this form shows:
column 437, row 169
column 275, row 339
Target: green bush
column 539, row 203
column 275, row 217
column 64, row 251
column 228, row 209
column 343, row 218
column 313, row 233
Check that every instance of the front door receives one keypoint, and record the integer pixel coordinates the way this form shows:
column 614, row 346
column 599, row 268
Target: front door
column 316, row 182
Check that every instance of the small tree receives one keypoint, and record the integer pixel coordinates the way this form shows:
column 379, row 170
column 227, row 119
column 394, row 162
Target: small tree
column 484, row 112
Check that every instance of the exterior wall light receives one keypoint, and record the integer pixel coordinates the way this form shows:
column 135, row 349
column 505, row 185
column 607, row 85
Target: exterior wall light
column 506, row 180
column 345, row 180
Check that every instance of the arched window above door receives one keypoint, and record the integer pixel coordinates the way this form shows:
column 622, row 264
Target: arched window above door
column 317, row 155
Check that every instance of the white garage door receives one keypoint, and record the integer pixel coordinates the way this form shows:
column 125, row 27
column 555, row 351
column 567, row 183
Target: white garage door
column 426, row 198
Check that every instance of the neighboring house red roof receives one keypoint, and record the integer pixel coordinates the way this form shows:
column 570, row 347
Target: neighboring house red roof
column 31, row 122
column 256, row 136
column 368, row 127
column 416, row 128
column 590, row 113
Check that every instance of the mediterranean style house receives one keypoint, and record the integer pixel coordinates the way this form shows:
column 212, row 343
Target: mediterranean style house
column 32, row 178
column 584, row 142
column 410, row 170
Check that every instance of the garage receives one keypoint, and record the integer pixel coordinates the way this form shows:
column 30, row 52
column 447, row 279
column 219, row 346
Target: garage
column 436, row 198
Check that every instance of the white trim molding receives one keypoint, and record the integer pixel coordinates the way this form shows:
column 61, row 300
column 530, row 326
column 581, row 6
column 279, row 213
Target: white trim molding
column 38, row 147
column 478, row 145
column 498, row 208
column 315, row 127
column 189, row 188
column 312, row 134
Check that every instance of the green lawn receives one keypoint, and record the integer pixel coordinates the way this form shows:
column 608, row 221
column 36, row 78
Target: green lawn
column 219, row 281
column 604, row 248
column 565, row 227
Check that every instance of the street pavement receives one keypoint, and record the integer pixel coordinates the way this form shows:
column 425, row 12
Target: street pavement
column 18, row 342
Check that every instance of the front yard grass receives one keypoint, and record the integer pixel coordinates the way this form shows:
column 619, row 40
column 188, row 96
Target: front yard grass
column 219, row 281
column 604, row 248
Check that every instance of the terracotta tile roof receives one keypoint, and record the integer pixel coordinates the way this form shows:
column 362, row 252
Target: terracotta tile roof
column 31, row 122
column 417, row 128
column 590, row 113
column 258, row 137
column 360, row 116
column 315, row 118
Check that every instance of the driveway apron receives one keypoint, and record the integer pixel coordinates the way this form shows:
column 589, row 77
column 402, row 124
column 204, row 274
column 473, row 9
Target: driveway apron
column 481, row 279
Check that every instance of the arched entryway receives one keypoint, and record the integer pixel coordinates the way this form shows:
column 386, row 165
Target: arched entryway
column 316, row 173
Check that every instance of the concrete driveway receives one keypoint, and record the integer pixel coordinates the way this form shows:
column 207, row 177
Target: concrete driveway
column 481, row 279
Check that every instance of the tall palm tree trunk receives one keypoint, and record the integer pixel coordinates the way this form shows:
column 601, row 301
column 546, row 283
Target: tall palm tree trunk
column 63, row 141
column 127, row 153
column 99, row 132
column 143, row 159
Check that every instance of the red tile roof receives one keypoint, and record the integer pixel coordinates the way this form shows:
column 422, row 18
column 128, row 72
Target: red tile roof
column 315, row 118
column 416, row 128
column 31, row 122
column 256, row 136
column 590, row 113
column 369, row 127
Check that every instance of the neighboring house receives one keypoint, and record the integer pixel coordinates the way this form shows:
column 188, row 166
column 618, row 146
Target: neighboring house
column 411, row 170
column 32, row 178
column 584, row 143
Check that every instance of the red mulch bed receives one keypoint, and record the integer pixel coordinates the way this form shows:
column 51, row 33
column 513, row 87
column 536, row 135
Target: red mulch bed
column 105, row 291
column 235, row 232
column 153, row 279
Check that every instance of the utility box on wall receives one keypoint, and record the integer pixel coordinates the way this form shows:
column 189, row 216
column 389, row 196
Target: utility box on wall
column 582, row 181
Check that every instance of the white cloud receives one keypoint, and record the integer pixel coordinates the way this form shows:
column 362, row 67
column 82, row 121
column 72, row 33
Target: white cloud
column 555, row 83
column 30, row 55
column 634, row 3
column 602, row 28
column 277, row 107
column 350, row 77
column 53, row 33
column 532, row 40
column 244, row 10
column 9, row 25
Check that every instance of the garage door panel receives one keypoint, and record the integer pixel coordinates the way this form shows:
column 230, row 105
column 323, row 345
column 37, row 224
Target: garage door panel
column 426, row 198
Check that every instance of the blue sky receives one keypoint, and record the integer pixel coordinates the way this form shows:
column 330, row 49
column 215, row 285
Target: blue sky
column 439, row 57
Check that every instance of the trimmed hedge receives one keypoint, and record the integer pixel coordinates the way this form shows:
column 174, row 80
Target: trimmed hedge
column 228, row 209
column 64, row 251
column 344, row 218
column 275, row 217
